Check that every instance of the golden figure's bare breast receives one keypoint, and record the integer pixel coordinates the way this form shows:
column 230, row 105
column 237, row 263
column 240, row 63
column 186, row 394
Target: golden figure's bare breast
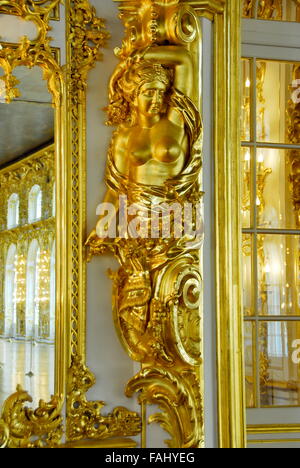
column 152, row 155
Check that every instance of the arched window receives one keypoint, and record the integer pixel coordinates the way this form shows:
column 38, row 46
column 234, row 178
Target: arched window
column 13, row 211
column 10, row 292
column 32, row 276
column 35, row 204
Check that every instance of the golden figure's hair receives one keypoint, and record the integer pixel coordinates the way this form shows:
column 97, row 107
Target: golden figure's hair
column 125, row 85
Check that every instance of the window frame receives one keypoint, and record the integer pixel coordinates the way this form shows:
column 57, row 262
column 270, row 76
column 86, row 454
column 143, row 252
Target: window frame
column 271, row 40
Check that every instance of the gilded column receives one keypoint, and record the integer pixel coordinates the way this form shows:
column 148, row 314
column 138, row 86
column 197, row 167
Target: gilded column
column 154, row 226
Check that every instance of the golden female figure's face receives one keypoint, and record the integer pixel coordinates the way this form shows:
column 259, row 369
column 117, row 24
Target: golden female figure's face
column 150, row 99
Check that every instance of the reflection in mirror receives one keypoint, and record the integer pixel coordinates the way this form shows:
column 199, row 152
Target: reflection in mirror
column 271, row 230
column 27, row 238
column 274, row 10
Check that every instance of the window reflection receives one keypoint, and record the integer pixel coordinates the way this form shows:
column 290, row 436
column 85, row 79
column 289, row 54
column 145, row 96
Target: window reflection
column 270, row 212
column 35, row 204
column 279, row 375
column 13, row 207
column 275, row 10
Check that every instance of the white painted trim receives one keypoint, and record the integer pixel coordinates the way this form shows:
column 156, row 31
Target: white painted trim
column 271, row 33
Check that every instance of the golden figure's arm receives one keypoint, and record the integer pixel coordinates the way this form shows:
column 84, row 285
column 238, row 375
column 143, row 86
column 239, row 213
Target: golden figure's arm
column 179, row 58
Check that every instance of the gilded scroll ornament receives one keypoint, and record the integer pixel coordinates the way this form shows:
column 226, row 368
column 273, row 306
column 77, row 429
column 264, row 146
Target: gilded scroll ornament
column 85, row 420
column 30, row 53
column 30, row 428
column 177, row 395
column 154, row 226
column 86, row 37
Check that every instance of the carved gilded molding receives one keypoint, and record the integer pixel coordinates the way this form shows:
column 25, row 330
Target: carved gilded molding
column 205, row 8
column 39, row 12
column 178, row 398
column 31, row 53
column 208, row 8
column 23, row 427
column 85, row 419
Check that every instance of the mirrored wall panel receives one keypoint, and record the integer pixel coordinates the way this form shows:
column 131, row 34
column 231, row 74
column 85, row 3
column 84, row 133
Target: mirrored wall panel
column 27, row 237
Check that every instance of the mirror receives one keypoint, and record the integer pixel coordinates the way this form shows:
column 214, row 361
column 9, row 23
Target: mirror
column 27, row 237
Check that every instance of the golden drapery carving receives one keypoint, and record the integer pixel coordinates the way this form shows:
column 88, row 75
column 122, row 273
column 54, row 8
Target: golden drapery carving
column 31, row 53
column 154, row 164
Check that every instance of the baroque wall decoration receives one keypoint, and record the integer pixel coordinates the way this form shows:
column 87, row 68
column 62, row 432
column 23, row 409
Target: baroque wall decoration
column 154, row 102
column 157, row 304
column 27, row 428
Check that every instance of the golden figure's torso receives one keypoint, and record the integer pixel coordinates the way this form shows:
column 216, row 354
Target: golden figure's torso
column 151, row 155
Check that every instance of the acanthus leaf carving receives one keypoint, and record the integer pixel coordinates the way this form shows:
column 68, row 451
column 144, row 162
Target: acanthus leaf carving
column 28, row 428
column 84, row 418
column 177, row 395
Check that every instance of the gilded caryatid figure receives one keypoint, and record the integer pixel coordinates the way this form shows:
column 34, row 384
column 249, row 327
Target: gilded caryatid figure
column 151, row 215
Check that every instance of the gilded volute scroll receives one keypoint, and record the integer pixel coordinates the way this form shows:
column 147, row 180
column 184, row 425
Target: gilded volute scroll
column 151, row 215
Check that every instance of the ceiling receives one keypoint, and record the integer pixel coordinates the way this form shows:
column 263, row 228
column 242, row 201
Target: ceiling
column 27, row 123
